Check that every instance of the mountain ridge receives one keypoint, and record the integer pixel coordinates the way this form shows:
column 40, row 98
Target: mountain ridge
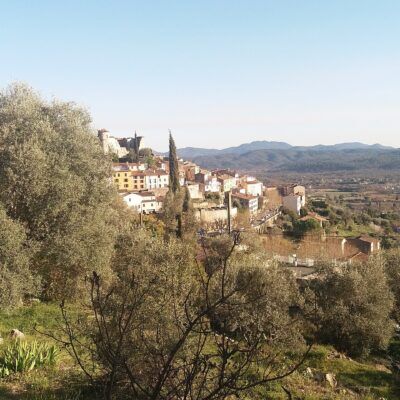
column 190, row 152
column 282, row 157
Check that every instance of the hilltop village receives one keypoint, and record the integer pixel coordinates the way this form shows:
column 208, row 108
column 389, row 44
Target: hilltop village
column 223, row 199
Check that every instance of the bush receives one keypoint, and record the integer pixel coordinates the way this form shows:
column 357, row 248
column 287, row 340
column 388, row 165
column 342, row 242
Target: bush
column 392, row 268
column 354, row 307
column 24, row 356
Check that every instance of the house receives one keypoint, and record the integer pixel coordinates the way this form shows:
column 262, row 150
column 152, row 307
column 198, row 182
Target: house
column 227, row 182
column 194, row 190
column 133, row 200
column 293, row 203
column 367, row 244
column 123, row 179
column 143, row 202
column 202, row 176
column 189, row 170
column 252, row 186
column 156, row 179
column 246, row 201
column 295, row 190
column 214, row 214
column 116, row 167
column 131, row 180
column 208, row 182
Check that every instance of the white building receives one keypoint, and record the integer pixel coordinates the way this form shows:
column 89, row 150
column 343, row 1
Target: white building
column 214, row 214
column 155, row 179
column 194, row 190
column 143, row 202
column 293, row 203
column 253, row 187
column 212, row 185
column 129, row 166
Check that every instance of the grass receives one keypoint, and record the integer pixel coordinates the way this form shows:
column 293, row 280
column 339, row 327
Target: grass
column 62, row 381
column 357, row 379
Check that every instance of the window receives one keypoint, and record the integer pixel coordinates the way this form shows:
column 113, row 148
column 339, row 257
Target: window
column 117, row 180
column 126, row 180
column 125, row 185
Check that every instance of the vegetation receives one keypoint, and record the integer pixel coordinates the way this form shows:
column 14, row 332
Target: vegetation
column 354, row 306
column 22, row 356
column 55, row 184
column 150, row 311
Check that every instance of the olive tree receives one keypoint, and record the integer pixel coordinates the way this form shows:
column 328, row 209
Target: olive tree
column 16, row 279
column 55, row 182
column 392, row 268
column 355, row 303
column 169, row 328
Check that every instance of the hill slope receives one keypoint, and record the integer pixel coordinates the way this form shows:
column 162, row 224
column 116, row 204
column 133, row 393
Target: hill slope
column 303, row 159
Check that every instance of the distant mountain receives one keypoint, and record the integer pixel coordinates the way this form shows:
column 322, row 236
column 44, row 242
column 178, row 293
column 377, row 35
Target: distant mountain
column 276, row 156
column 191, row 152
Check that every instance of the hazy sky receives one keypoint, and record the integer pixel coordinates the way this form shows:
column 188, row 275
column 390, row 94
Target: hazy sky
column 218, row 73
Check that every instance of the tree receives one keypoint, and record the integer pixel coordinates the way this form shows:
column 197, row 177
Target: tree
column 392, row 268
column 152, row 333
column 300, row 227
column 173, row 200
column 55, row 181
column 16, row 279
column 174, row 184
column 355, row 303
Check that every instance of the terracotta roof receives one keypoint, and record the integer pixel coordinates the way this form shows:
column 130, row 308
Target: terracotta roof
column 314, row 216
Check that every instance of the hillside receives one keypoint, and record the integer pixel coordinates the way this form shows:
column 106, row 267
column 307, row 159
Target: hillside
column 304, row 159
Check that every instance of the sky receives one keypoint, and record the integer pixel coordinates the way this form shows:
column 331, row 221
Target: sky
column 217, row 73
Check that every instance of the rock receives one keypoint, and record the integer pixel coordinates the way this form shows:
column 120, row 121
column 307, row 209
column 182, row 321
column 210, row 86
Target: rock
column 308, row 372
column 331, row 379
column 16, row 334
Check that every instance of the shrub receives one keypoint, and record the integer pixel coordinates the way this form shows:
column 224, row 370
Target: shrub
column 355, row 303
column 24, row 356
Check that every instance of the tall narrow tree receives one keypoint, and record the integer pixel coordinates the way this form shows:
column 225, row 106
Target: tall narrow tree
column 174, row 185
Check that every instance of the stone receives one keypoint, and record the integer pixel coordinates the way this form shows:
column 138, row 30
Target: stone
column 331, row 379
column 308, row 372
column 16, row 334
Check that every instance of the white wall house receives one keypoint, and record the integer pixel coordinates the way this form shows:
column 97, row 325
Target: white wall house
column 156, row 179
column 212, row 185
column 194, row 190
column 293, row 203
column 253, row 188
column 143, row 202
column 133, row 200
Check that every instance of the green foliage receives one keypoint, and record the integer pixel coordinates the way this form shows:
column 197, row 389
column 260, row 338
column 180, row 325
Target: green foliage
column 392, row 268
column 174, row 185
column 354, row 307
column 55, row 182
column 16, row 279
column 301, row 228
column 22, row 356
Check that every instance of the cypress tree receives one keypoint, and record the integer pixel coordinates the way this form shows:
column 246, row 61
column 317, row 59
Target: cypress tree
column 173, row 166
